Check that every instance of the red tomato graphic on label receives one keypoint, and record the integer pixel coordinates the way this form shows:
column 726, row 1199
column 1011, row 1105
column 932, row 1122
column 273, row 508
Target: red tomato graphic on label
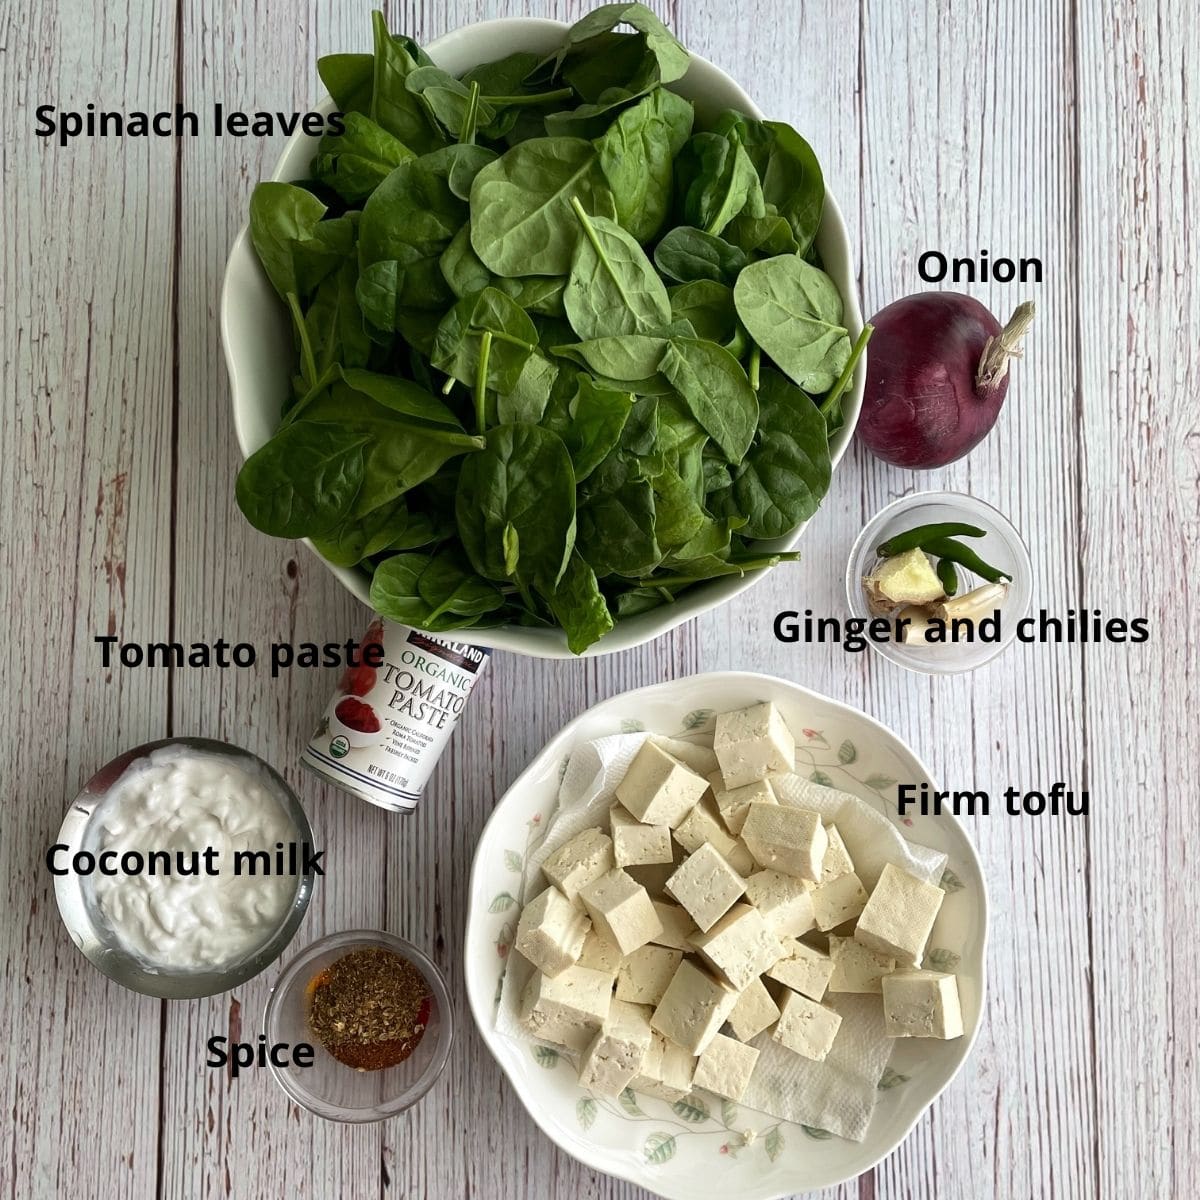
column 356, row 715
column 358, row 681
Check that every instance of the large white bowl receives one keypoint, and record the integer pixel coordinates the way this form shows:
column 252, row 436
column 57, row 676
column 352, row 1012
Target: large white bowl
column 256, row 332
column 677, row 1151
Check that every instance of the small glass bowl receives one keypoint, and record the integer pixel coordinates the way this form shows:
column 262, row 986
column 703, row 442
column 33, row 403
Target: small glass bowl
column 96, row 941
column 331, row 1089
column 1002, row 547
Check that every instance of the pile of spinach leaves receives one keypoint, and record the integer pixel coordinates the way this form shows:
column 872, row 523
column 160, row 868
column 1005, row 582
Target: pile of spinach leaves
column 560, row 354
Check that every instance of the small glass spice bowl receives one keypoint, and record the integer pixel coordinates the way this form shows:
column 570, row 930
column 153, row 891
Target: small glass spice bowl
column 329, row 1088
column 1001, row 546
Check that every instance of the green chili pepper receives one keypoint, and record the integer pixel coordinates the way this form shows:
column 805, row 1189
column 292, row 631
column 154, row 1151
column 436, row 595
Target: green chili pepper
column 919, row 538
column 965, row 557
column 948, row 574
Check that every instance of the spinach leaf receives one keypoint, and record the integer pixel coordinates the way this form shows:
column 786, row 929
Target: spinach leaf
column 303, row 481
column 349, row 79
column 613, row 289
column 516, row 506
column 712, row 384
column 634, row 356
column 590, row 423
column 457, row 347
column 449, row 102
column 521, row 218
column 449, row 585
column 356, row 162
column 388, row 527
column 786, row 474
column 794, row 312
column 579, row 605
column 526, row 401
column 688, row 254
column 281, row 217
column 401, row 396
column 392, row 105
column 671, row 57
column 708, row 307
column 616, row 529
column 717, row 181
column 637, row 156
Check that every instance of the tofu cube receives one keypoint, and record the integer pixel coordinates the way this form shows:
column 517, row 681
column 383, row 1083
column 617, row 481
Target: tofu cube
column 617, row 1053
column 658, row 789
column 574, row 865
column 740, row 946
column 785, row 903
column 753, row 743
column 636, row 844
column 706, row 885
column 645, row 973
column 898, row 918
column 837, row 860
column 725, row 1067
column 667, row 1071
column 568, row 1009
column 804, row 970
column 704, row 825
column 621, row 911
column 921, row 1004
column 734, row 803
column 838, row 901
column 600, row 955
column 787, row 839
column 857, row 969
column 677, row 926
column 551, row 932
column 753, row 1012
column 693, row 1008
column 806, row 1027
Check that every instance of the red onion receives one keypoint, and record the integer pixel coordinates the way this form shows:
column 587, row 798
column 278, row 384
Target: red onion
column 937, row 376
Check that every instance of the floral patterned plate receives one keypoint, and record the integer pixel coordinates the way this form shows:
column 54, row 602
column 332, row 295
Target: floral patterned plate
column 703, row 1147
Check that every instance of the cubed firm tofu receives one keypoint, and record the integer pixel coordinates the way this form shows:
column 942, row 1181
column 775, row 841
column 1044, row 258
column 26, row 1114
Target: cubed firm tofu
column 857, row 969
column 898, row 918
column 785, row 903
column 677, row 926
column 806, row 1027
column 574, row 865
column 645, row 973
column 617, row 1053
column 621, row 911
column 725, row 1067
column 753, row 1012
column 787, row 839
column 551, row 932
column 636, row 844
column 804, row 970
column 753, row 743
column 740, row 946
column 568, row 1009
column 838, row 901
column 706, row 885
column 921, row 1004
column 600, row 955
column 666, row 1072
column 703, row 825
column 734, row 803
column 837, row 860
column 693, row 1008
column 658, row 789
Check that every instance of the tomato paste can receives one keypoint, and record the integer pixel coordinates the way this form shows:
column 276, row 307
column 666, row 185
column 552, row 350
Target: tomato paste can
column 386, row 727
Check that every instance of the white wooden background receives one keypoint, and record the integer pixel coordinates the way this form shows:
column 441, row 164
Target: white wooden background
column 1062, row 130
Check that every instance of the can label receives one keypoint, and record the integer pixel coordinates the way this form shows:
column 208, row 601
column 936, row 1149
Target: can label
column 386, row 727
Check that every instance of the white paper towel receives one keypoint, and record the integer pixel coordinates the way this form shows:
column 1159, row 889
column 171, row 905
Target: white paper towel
column 838, row 1094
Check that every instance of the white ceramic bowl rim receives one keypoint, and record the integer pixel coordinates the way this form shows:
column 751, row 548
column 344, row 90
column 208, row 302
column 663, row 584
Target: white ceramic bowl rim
column 481, row 1002
column 245, row 288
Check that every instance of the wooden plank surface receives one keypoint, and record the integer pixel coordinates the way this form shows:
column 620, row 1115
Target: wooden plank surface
column 1062, row 131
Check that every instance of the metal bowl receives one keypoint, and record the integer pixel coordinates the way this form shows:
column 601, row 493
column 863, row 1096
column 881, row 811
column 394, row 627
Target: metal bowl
column 97, row 942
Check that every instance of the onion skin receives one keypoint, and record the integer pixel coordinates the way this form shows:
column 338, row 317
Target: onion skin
column 923, row 406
